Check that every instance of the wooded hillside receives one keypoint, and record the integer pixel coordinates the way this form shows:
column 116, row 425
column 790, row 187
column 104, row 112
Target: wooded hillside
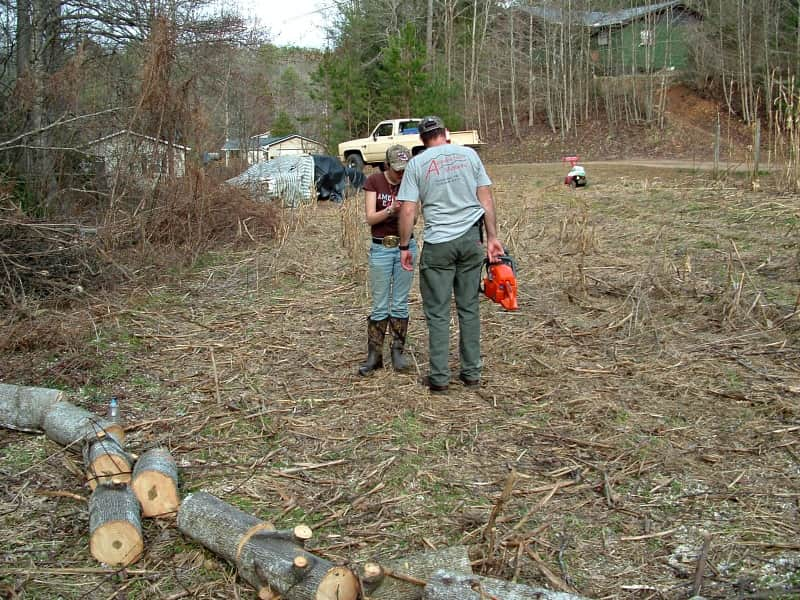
column 194, row 74
column 123, row 118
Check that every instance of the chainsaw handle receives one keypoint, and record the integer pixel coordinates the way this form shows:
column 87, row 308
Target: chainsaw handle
column 503, row 258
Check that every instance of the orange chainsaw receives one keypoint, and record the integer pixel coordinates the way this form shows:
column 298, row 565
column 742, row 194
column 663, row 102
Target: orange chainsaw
column 500, row 283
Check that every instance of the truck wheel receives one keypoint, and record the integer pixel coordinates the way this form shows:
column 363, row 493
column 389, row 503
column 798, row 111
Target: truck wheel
column 355, row 161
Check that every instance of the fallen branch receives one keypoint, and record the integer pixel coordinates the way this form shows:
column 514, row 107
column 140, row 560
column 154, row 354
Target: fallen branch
column 446, row 585
column 701, row 564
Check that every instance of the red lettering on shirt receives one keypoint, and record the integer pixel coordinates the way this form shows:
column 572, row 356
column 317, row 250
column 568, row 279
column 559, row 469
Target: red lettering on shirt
column 432, row 168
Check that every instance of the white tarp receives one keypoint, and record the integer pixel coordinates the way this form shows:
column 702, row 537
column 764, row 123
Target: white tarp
column 288, row 177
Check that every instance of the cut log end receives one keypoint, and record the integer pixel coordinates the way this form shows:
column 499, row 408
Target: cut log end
column 116, row 543
column 157, row 494
column 340, row 583
column 373, row 573
column 117, row 431
column 108, row 469
column 266, row 593
column 302, row 533
column 155, row 483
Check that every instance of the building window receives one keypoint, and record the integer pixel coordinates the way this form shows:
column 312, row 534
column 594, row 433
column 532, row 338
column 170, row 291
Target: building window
column 647, row 37
column 602, row 38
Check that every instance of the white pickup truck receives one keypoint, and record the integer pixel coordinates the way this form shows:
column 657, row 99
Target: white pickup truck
column 372, row 150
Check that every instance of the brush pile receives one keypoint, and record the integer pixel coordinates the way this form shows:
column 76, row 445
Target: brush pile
column 45, row 260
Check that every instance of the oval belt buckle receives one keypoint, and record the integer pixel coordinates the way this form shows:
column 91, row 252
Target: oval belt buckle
column 390, row 241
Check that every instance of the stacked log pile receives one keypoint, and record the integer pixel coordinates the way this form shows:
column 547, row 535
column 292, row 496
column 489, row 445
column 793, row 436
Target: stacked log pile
column 119, row 491
column 275, row 562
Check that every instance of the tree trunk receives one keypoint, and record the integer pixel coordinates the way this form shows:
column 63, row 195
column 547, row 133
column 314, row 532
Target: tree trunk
column 115, row 527
column 68, row 424
column 106, row 462
column 155, row 483
column 429, row 35
column 445, row 585
column 23, row 408
column 530, row 71
column 389, row 580
column 511, row 58
column 273, row 562
column 473, row 48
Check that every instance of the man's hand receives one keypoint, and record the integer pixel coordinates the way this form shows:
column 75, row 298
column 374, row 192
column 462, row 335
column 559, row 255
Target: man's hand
column 406, row 260
column 494, row 250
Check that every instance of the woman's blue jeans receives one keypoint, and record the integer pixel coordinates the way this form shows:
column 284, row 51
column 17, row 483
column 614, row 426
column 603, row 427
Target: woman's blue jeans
column 390, row 283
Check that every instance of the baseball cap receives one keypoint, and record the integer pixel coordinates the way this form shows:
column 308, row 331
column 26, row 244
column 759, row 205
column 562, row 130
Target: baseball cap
column 430, row 123
column 398, row 156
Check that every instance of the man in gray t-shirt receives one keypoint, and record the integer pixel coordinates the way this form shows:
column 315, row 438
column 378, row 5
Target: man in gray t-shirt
column 454, row 190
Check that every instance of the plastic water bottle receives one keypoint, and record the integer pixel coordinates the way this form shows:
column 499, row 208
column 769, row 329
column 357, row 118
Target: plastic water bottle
column 113, row 410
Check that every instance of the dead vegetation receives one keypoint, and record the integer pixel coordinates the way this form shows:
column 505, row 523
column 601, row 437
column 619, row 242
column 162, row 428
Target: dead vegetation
column 43, row 260
column 58, row 262
column 636, row 436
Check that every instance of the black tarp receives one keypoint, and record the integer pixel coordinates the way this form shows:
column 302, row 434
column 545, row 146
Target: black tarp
column 332, row 179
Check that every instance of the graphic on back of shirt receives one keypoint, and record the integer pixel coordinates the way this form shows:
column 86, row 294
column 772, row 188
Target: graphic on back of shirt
column 447, row 165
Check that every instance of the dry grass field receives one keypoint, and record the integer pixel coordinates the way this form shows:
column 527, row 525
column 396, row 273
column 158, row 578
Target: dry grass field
column 644, row 401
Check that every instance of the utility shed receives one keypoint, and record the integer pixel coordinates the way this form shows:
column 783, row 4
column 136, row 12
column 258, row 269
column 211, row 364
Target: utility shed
column 138, row 155
column 268, row 147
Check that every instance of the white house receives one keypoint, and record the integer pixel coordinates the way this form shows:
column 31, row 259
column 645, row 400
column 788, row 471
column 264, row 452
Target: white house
column 138, row 154
column 267, row 147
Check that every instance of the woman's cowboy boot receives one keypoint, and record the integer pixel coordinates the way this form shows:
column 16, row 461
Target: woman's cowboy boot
column 376, row 331
column 399, row 328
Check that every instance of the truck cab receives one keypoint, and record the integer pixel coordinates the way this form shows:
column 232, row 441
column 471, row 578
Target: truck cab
column 372, row 150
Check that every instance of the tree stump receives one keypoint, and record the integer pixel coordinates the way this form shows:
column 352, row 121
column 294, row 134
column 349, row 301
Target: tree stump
column 273, row 562
column 67, row 424
column 447, row 585
column 155, row 483
column 115, row 526
column 23, row 408
column 106, row 462
column 393, row 579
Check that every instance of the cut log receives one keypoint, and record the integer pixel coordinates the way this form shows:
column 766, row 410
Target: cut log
column 155, row 483
column 23, row 408
column 273, row 562
column 394, row 579
column 115, row 525
column 68, row 424
column 106, row 462
column 447, row 585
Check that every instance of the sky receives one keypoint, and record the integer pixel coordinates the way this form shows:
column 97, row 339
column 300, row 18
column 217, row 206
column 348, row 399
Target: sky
column 291, row 22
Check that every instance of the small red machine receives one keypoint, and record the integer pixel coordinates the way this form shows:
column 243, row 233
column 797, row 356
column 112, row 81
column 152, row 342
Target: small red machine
column 500, row 283
column 577, row 174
